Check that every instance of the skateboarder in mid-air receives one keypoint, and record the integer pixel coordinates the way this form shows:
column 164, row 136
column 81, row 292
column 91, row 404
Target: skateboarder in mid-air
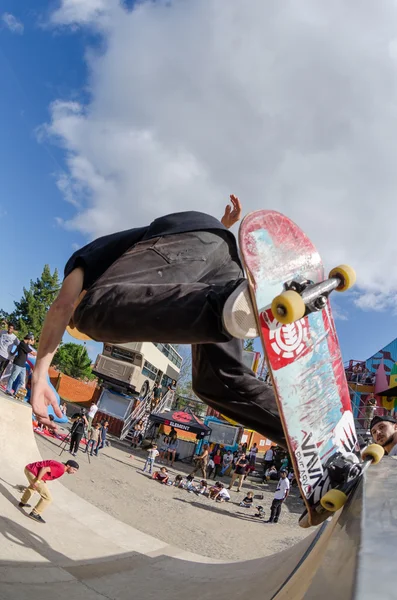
column 179, row 280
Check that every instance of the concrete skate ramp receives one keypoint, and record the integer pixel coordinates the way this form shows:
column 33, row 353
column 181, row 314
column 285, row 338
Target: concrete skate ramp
column 84, row 553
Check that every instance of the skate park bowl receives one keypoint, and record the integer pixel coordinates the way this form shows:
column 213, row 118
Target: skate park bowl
column 82, row 552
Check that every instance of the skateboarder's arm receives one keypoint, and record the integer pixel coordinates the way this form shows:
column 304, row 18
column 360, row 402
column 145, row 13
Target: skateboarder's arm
column 56, row 321
column 55, row 324
column 40, row 475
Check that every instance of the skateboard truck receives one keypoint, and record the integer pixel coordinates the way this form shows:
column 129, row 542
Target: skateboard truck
column 344, row 474
column 301, row 298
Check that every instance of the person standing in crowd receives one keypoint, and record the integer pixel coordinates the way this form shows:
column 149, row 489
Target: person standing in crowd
column 268, row 460
column 210, row 467
column 38, row 473
column 252, row 456
column 8, row 340
column 201, row 462
column 137, row 434
column 227, row 463
column 64, row 408
column 151, row 457
column 104, row 432
column 370, row 407
column 218, row 462
column 384, row 433
column 19, row 367
column 91, row 415
column 280, row 495
column 172, row 448
column 239, row 472
column 94, row 438
column 156, row 397
column 164, row 442
column 79, row 423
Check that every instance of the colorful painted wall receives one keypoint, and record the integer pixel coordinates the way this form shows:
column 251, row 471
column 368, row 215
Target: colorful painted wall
column 383, row 366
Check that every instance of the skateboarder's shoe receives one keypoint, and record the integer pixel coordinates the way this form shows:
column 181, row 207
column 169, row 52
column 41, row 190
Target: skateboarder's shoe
column 238, row 314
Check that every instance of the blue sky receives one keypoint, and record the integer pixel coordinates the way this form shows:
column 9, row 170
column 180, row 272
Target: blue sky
column 41, row 65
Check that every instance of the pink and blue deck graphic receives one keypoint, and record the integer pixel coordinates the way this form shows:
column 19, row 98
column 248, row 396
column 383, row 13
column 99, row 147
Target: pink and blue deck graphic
column 304, row 357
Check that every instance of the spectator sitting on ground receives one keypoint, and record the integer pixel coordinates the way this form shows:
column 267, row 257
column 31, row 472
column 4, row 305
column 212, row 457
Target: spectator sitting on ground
column 202, row 488
column 179, row 481
column 161, row 476
column 248, row 500
column 44, row 428
column 222, row 495
column 271, row 474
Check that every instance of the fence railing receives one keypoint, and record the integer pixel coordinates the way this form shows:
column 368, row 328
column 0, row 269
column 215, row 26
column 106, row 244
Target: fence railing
column 143, row 410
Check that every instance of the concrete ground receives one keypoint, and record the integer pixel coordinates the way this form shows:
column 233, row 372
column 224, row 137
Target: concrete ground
column 114, row 482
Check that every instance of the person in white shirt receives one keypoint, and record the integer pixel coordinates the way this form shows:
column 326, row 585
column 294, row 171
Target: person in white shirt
column 268, row 459
column 222, row 496
column 8, row 340
column 384, row 431
column 91, row 414
column 280, row 495
column 252, row 455
column 152, row 454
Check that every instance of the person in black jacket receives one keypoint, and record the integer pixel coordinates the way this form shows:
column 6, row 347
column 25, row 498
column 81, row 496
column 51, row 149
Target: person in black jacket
column 80, row 422
column 19, row 365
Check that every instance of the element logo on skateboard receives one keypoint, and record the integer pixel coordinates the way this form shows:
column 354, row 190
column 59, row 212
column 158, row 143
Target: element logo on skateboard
column 284, row 343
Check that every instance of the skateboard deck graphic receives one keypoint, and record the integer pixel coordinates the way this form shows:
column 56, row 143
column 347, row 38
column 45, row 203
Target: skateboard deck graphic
column 303, row 357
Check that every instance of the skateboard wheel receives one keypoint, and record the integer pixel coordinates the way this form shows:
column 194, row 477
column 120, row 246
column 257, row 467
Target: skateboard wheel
column 373, row 452
column 288, row 307
column 347, row 276
column 333, row 500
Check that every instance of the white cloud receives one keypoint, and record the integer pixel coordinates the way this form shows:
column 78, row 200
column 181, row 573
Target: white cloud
column 12, row 23
column 291, row 105
column 81, row 12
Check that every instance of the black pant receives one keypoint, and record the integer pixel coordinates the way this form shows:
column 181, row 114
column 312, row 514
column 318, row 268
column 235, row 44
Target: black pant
column 75, row 440
column 3, row 365
column 173, row 289
column 275, row 510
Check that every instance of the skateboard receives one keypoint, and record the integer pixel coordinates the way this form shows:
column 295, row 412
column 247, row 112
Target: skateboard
column 290, row 295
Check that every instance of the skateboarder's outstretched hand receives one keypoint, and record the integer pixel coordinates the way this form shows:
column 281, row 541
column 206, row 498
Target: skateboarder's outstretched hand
column 42, row 396
column 232, row 214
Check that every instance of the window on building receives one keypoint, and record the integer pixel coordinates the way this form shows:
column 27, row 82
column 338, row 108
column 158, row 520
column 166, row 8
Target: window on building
column 149, row 370
column 170, row 353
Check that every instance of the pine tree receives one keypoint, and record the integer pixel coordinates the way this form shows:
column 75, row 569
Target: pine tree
column 30, row 311
column 249, row 345
column 73, row 360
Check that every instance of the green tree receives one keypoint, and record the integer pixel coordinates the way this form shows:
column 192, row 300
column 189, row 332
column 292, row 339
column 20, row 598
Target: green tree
column 30, row 311
column 249, row 345
column 73, row 360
